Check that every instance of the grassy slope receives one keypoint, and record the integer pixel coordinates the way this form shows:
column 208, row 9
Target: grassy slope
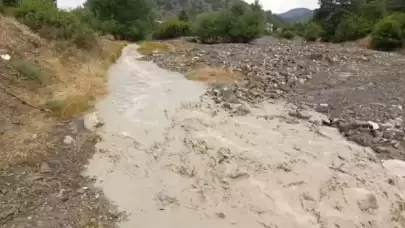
column 47, row 75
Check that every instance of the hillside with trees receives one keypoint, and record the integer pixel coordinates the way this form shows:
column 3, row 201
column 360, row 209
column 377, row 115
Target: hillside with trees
column 297, row 15
column 383, row 21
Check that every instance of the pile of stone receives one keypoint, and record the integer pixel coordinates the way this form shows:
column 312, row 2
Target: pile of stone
column 347, row 84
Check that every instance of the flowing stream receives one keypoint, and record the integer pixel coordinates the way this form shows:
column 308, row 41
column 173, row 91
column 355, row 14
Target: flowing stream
column 172, row 158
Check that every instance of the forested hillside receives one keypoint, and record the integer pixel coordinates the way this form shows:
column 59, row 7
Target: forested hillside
column 169, row 8
column 297, row 15
column 344, row 20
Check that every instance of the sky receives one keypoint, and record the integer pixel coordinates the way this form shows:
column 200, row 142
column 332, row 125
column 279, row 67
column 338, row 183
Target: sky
column 276, row 6
column 281, row 6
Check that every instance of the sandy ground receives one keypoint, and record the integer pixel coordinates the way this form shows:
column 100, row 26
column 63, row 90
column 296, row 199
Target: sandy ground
column 170, row 157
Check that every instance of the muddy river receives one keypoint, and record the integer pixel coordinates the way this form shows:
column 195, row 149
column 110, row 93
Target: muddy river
column 170, row 157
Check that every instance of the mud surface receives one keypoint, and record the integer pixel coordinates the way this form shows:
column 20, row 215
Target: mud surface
column 172, row 157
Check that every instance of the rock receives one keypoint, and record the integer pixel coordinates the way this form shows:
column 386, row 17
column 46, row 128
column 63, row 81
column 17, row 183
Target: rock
column 217, row 100
column 227, row 106
column 92, row 121
column 394, row 167
column 319, row 119
column 361, row 138
column 306, row 115
column 228, row 95
column 383, row 150
column 241, row 109
column 221, row 215
column 323, row 108
column 393, row 133
column 68, row 140
column 366, row 200
column 374, row 126
column 5, row 57
column 45, row 168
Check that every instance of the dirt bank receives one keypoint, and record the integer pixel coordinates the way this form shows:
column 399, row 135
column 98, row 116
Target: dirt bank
column 176, row 158
column 43, row 83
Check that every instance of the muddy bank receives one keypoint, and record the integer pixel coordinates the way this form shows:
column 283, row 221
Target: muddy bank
column 50, row 191
column 197, row 164
column 352, row 86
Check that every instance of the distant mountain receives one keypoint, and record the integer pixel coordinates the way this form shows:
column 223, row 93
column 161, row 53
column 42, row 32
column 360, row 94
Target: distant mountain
column 297, row 15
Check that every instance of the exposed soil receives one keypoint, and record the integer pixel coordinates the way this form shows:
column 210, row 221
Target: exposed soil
column 41, row 157
column 348, row 84
column 48, row 190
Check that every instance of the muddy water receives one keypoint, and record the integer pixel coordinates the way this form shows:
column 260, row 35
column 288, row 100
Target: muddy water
column 171, row 158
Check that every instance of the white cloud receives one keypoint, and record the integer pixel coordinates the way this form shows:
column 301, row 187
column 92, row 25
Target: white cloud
column 281, row 6
column 65, row 4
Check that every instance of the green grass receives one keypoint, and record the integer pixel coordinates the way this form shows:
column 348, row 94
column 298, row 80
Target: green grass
column 71, row 107
column 28, row 70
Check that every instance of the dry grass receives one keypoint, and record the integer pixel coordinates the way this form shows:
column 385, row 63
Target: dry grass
column 146, row 47
column 150, row 47
column 75, row 79
column 212, row 75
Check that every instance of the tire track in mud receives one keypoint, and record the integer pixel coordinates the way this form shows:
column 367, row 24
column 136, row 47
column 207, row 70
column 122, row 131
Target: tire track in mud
column 199, row 166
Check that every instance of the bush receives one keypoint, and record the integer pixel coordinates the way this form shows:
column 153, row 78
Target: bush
column 400, row 18
column 172, row 28
column 239, row 24
column 42, row 16
column 312, row 31
column 211, row 27
column 352, row 28
column 125, row 19
column 287, row 34
column 386, row 35
column 28, row 70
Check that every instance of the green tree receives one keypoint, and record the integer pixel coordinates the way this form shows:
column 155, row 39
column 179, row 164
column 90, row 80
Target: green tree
column 352, row 27
column 237, row 23
column 172, row 28
column 183, row 16
column 45, row 18
column 129, row 19
column 400, row 18
column 313, row 31
column 396, row 5
column 386, row 35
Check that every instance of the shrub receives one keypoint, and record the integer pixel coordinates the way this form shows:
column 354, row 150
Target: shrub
column 287, row 34
column 172, row 28
column 211, row 27
column 386, row 35
column 312, row 31
column 28, row 70
column 126, row 19
column 240, row 23
column 147, row 48
column 183, row 16
column 43, row 16
column 400, row 18
column 352, row 27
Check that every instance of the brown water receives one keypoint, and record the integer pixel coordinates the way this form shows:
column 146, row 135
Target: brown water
column 171, row 158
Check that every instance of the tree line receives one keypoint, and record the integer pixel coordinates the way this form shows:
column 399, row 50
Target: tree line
column 135, row 20
column 349, row 20
column 237, row 21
